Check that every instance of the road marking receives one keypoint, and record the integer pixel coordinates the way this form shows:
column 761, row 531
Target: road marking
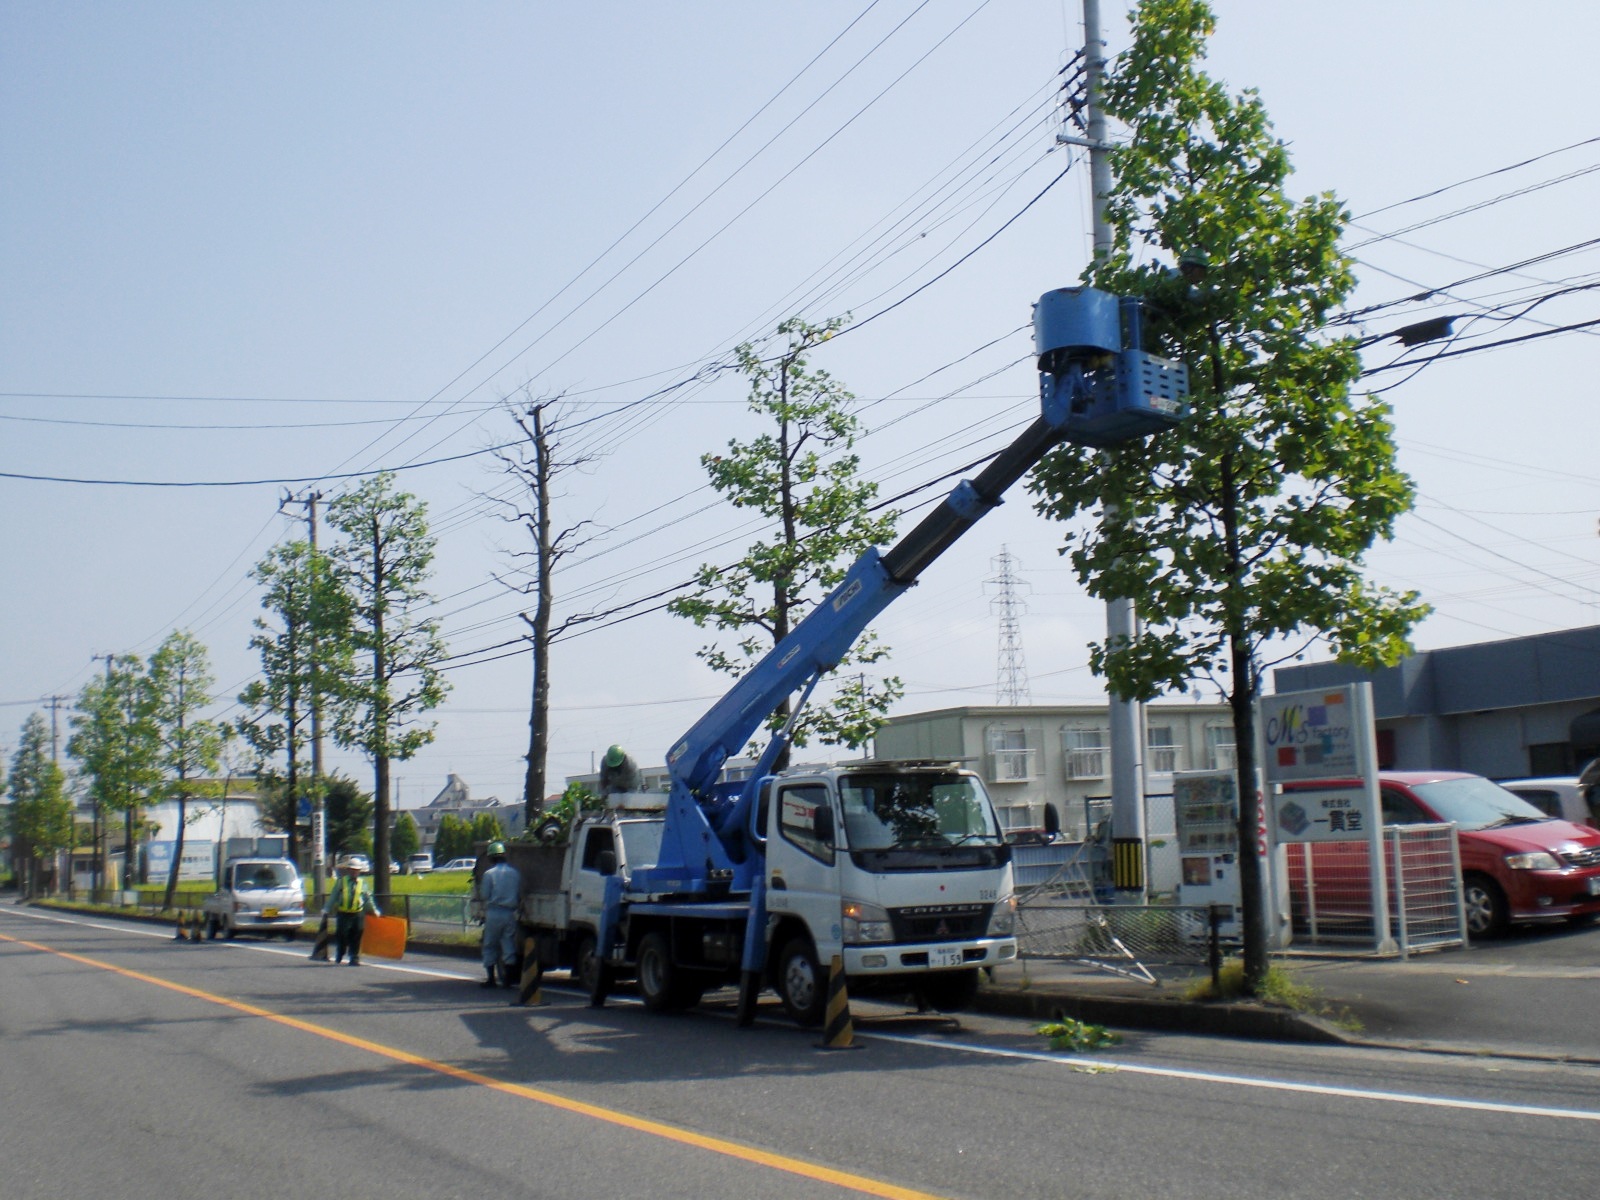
column 1313, row 1089
column 671, row 1133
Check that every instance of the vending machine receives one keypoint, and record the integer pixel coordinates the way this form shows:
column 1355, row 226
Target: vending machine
column 1206, row 815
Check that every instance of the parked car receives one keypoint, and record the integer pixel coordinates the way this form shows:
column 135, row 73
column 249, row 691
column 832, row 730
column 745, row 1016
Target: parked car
column 257, row 895
column 1559, row 796
column 459, row 864
column 1517, row 863
column 419, row 864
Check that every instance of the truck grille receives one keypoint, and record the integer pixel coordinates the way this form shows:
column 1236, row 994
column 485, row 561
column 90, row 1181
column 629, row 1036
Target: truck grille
column 940, row 922
column 1583, row 856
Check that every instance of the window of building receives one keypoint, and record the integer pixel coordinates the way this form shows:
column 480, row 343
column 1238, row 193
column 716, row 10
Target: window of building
column 1161, row 750
column 1011, row 758
column 1086, row 752
column 1219, row 747
column 1550, row 758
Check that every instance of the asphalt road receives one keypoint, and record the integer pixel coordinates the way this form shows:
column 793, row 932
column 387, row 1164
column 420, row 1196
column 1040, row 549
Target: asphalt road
column 131, row 1064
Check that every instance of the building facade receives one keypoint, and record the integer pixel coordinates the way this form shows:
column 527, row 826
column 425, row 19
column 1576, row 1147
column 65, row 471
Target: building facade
column 1505, row 709
column 1047, row 766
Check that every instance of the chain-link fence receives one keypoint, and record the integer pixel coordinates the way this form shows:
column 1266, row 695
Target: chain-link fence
column 1123, row 938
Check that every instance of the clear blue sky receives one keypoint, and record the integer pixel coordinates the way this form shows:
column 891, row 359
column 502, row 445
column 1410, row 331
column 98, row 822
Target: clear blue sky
column 253, row 242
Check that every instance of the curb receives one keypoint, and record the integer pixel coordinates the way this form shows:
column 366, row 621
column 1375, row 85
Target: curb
column 1228, row 1019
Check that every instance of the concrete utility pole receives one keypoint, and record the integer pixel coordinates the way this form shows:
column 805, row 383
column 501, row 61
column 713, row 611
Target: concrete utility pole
column 1126, row 717
column 319, row 813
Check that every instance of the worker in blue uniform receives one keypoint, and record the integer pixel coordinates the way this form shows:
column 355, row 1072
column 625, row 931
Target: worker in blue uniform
column 499, row 890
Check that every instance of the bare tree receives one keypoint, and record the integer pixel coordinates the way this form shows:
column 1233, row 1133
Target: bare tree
column 537, row 466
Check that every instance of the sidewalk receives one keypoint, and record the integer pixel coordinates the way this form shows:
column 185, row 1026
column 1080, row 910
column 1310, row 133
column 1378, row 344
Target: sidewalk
column 1535, row 994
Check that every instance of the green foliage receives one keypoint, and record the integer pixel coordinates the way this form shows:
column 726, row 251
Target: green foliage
column 114, row 736
column 1279, row 987
column 348, row 811
column 801, row 477
column 188, row 746
column 1248, row 523
column 404, row 838
column 306, row 653
column 382, row 565
column 454, row 839
column 564, row 813
column 486, row 827
column 1072, row 1034
column 40, row 813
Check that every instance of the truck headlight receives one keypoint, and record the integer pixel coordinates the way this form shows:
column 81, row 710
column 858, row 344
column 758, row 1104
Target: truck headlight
column 865, row 922
column 1538, row 860
column 1003, row 918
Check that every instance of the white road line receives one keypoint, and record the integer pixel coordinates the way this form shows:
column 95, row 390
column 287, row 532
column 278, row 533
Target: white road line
column 1314, row 1089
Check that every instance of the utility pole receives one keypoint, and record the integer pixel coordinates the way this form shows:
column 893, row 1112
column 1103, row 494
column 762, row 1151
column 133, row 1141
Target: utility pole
column 1125, row 717
column 319, row 812
column 55, row 703
column 99, row 829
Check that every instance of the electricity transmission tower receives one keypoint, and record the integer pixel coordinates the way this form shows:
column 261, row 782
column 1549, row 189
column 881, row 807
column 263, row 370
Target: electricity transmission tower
column 1011, row 673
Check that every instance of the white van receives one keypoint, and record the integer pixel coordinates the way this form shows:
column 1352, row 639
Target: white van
column 1559, row 796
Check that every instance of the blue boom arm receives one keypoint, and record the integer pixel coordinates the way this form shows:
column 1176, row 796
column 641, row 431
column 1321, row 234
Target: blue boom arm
column 1093, row 391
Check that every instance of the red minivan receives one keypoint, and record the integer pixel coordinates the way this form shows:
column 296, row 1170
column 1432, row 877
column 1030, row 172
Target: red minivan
column 1517, row 864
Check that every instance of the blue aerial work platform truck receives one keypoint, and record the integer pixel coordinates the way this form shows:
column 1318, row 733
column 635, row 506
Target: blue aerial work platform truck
column 898, row 870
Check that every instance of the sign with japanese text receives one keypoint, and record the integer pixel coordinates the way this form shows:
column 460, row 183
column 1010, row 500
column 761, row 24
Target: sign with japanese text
column 1322, row 816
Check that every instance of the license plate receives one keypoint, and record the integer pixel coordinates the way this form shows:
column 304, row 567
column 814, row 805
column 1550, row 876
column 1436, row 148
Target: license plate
column 1594, row 885
column 945, row 956
column 268, row 913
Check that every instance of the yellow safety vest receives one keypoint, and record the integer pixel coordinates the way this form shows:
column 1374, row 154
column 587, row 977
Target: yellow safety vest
column 350, row 894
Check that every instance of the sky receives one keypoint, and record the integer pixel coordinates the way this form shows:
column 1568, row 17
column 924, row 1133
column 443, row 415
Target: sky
column 251, row 251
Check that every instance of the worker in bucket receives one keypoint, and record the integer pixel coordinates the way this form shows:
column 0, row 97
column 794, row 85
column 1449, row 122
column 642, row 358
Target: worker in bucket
column 618, row 772
column 349, row 900
column 499, row 890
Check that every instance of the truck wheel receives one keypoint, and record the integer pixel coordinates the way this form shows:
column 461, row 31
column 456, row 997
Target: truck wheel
column 950, row 991
column 212, row 927
column 657, row 980
column 801, row 984
column 1488, row 915
column 288, row 935
column 228, row 931
column 586, row 964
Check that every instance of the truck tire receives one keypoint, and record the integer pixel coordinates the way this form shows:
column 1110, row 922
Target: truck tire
column 213, row 927
column 228, row 930
column 802, row 986
column 1488, row 914
column 657, row 979
column 586, row 964
column 949, row 991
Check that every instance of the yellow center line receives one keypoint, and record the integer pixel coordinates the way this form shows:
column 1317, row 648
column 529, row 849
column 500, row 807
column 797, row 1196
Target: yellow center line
column 671, row 1133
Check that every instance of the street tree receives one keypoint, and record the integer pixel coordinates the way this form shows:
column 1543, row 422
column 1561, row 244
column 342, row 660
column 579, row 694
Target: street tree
column 537, row 464
column 349, row 813
column 486, row 827
column 453, row 840
column 306, row 656
column 405, row 840
column 188, row 746
column 114, row 744
column 40, row 811
column 1243, row 529
column 383, row 563
column 801, row 476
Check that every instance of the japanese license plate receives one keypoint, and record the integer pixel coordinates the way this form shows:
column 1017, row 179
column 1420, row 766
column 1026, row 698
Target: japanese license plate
column 945, row 956
column 268, row 913
column 1594, row 885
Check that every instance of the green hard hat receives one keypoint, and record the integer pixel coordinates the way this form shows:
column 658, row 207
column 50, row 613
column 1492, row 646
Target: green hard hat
column 496, row 848
column 614, row 756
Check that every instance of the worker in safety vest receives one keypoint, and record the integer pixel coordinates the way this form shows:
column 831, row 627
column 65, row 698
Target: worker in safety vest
column 349, row 900
column 499, row 890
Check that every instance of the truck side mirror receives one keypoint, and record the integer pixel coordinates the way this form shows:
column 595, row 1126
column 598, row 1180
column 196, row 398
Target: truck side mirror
column 822, row 824
column 606, row 862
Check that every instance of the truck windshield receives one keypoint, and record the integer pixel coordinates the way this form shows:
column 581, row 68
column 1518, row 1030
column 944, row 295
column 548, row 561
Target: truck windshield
column 253, row 877
column 1475, row 803
column 641, row 842
column 916, row 810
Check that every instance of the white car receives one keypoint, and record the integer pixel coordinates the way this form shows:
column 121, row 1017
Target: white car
column 419, row 864
column 1559, row 796
column 258, row 895
column 458, row 864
